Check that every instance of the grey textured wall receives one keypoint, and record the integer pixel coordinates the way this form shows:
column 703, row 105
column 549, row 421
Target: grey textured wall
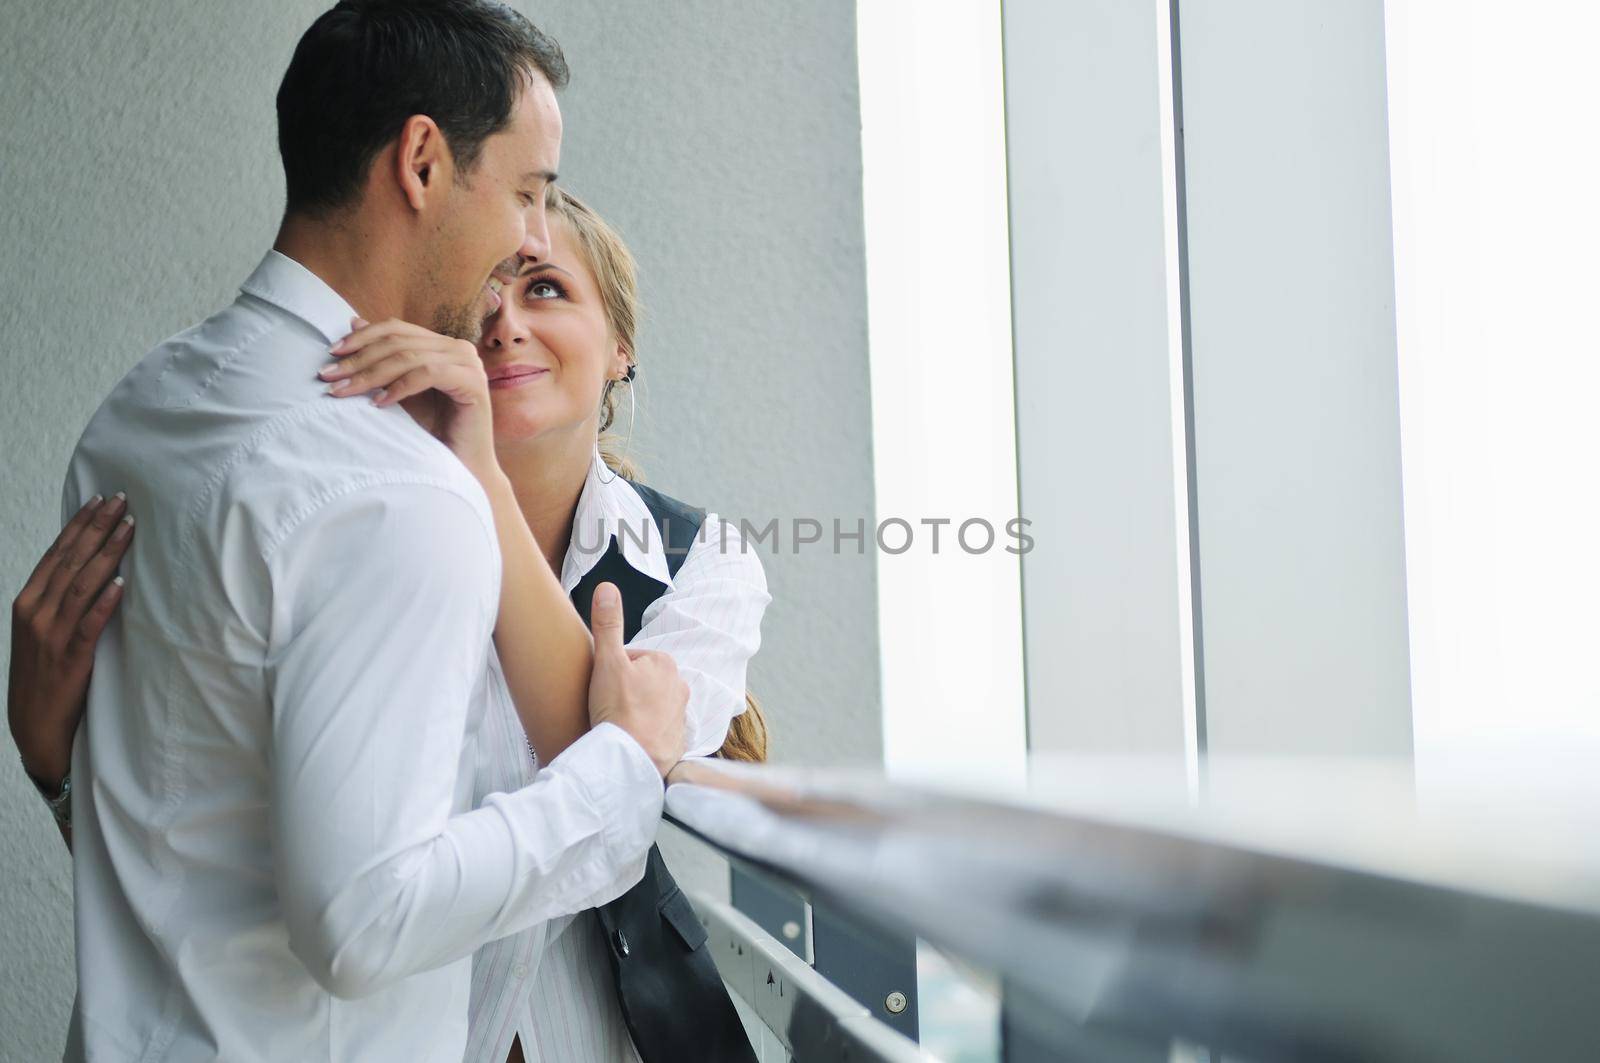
column 140, row 184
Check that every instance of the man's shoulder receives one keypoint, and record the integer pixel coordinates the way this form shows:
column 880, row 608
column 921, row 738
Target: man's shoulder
column 341, row 440
column 253, row 435
column 228, row 416
column 330, row 452
column 194, row 369
column 153, row 428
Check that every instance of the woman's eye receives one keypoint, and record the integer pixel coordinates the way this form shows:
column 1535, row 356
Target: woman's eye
column 543, row 290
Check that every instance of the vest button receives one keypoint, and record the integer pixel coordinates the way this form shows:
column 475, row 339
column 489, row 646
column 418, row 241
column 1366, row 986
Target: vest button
column 619, row 941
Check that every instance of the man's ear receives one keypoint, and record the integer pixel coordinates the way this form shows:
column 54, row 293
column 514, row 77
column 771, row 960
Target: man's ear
column 422, row 160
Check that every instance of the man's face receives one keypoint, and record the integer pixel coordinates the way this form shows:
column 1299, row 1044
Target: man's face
column 494, row 215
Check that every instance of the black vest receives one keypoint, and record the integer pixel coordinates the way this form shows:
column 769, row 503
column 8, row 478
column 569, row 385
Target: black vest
column 672, row 998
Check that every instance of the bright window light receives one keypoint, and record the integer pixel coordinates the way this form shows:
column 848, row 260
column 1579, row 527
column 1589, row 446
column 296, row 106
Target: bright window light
column 944, row 430
column 1496, row 220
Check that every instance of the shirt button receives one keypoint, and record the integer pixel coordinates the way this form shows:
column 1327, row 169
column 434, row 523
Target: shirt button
column 520, row 971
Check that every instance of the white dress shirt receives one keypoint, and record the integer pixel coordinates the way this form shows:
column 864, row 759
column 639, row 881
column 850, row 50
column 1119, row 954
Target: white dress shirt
column 276, row 850
column 551, row 985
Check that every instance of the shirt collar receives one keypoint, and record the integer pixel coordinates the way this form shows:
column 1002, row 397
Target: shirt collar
column 288, row 285
column 609, row 506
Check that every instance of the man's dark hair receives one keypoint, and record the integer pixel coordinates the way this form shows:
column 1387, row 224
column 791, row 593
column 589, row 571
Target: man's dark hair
column 366, row 66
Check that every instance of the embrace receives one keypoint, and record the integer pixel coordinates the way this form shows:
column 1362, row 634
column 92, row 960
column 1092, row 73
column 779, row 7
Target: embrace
column 387, row 683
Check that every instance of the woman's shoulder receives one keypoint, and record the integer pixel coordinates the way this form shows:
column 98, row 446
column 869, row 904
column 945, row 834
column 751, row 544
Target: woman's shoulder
column 677, row 523
column 662, row 505
column 723, row 547
column 696, row 535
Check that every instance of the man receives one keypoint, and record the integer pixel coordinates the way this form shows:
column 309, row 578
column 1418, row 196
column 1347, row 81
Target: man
column 272, row 850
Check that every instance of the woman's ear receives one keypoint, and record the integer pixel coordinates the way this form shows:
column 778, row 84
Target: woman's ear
column 619, row 362
column 422, row 160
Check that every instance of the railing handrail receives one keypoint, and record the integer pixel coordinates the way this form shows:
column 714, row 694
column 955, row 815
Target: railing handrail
column 1115, row 933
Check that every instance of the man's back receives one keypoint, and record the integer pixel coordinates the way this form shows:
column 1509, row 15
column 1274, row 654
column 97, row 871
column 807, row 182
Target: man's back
column 253, row 490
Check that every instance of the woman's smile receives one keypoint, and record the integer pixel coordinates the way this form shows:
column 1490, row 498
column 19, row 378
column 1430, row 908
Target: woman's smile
column 514, row 376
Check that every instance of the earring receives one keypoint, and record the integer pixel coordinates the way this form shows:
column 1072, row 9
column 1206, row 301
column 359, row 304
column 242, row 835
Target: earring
column 633, row 406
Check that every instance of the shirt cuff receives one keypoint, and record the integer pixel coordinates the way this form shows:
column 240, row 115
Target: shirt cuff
column 621, row 782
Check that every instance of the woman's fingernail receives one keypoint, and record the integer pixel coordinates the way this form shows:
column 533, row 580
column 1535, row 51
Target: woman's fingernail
column 378, row 396
column 118, row 581
column 94, row 503
column 338, row 386
column 359, row 322
column 124, row 528
column 327, row 371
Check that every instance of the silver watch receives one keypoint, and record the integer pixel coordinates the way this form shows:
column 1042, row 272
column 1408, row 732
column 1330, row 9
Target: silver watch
column 59, row 802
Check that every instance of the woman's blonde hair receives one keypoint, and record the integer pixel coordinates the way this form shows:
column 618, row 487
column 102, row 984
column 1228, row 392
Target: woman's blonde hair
column 617, row 276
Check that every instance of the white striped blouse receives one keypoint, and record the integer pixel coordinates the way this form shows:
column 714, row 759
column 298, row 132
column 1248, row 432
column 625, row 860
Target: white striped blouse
column 551, row 986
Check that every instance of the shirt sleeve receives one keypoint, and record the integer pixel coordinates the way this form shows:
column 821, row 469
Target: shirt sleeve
column 709, row 622
column 383, row 606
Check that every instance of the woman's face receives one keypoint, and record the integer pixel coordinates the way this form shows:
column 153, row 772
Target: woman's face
column 549, row 350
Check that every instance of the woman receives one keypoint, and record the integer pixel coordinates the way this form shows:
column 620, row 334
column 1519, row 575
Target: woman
column 528, row 411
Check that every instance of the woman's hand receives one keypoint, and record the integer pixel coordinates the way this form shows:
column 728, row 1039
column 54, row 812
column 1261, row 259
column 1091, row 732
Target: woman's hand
column 55, row 623
column 404, row 360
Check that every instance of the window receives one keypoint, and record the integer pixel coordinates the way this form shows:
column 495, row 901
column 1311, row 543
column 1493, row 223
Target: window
column 1496, row 223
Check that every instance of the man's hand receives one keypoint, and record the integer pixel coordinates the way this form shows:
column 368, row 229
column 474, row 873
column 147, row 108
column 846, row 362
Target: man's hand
column 638, row 690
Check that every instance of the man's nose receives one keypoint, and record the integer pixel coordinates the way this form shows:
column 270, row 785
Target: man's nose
column 536, row 241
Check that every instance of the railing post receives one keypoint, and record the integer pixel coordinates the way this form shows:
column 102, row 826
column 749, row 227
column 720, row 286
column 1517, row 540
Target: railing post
column 774, row 908
column 878, row 970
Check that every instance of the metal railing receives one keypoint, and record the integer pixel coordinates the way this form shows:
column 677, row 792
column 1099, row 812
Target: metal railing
column 812, row 1018
column 1119, row 932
